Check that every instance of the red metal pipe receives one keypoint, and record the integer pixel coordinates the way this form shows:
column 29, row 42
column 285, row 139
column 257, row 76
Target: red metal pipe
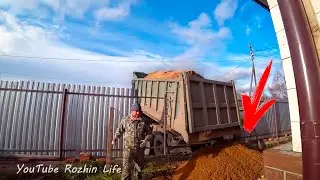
column 62, row 119
column 307, row 77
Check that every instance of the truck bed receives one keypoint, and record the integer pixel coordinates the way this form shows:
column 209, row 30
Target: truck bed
column 194, row 105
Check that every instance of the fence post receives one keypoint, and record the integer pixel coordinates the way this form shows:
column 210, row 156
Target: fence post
column 165, row 125
column 62, row 119
column 110, row 135
column 276, row 119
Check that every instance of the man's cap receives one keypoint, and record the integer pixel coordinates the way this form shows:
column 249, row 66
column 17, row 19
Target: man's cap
column 136, row 107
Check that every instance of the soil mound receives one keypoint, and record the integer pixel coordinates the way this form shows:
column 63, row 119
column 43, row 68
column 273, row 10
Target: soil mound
column 172, row 74
column 230, row 162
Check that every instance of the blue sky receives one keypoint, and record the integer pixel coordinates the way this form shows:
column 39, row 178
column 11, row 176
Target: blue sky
column 103, row 42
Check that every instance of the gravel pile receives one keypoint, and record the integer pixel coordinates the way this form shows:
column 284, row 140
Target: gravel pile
column 230, row 162
column 170, row 74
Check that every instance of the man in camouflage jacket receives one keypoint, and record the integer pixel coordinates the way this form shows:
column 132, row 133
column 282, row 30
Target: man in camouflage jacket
column 136, row 132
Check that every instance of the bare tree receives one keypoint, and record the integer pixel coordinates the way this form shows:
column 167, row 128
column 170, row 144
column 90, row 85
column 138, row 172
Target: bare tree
column 278, row 88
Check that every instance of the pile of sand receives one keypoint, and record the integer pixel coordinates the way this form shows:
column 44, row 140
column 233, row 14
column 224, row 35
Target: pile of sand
column 172, row 74
column 232, row 162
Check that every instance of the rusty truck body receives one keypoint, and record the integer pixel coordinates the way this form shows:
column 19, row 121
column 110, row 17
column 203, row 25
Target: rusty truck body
column 195, row 110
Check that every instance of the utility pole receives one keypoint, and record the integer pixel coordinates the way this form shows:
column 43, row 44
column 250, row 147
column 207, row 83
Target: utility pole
column 253, row 73
column 253, row 77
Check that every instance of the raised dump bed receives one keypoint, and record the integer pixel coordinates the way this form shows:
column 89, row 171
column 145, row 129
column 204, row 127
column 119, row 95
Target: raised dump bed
column 197, row 109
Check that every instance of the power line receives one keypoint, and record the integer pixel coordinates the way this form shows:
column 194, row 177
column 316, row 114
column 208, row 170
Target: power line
column 91, row 22
column 264, row 54
column 105, row 60
column 251, row 55
column 25, row 75
column 41, row 76
column 236, row 68
column 267, row 48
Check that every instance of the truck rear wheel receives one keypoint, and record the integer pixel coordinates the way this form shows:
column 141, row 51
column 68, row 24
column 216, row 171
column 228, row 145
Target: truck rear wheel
column 158, row 144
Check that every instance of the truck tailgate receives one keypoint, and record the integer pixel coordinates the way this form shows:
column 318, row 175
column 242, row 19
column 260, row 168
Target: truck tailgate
column 211, row 105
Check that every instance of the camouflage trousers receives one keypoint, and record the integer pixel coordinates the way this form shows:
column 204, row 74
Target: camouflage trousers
column 132, row 158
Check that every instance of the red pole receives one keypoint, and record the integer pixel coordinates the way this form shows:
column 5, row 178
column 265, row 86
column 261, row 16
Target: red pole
column 306, row 68
column 110, row 135
column 62, row 119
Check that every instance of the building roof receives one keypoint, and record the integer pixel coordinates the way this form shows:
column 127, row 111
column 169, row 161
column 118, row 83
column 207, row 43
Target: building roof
column 263, row 3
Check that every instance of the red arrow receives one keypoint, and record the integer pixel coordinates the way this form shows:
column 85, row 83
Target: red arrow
column 252, row 114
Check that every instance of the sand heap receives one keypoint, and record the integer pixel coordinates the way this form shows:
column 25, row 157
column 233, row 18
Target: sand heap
column 234, row 162
column 172, row 74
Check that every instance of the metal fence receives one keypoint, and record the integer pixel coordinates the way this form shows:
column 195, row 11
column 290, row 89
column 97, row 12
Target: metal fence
column 48, row 119
column 33, row 116
column 274, row 123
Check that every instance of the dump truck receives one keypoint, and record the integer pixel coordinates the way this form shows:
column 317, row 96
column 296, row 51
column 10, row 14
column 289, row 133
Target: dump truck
column 191, row 110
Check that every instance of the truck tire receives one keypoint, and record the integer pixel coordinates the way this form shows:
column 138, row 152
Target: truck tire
column 158, row 144
column 237, row 137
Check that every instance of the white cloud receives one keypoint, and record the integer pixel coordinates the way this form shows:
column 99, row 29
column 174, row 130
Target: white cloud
column 244, row 7
column 242, row 74
column 248, row 30
column 203, row 21
column 20, row 38
column 253, row 25
column 114, row 13
column 225, row 10
column 200, row 36
column 148, row 54
column 258, row 22
column 268, row 52
column 74, row 8
column 104, row 10
column 238, row 57
column 243, row 87
column 199, row 31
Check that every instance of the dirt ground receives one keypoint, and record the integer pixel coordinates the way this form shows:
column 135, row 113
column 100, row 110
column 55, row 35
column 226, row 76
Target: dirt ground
column 230, row 161
column 170, row 74
column 235, row 162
